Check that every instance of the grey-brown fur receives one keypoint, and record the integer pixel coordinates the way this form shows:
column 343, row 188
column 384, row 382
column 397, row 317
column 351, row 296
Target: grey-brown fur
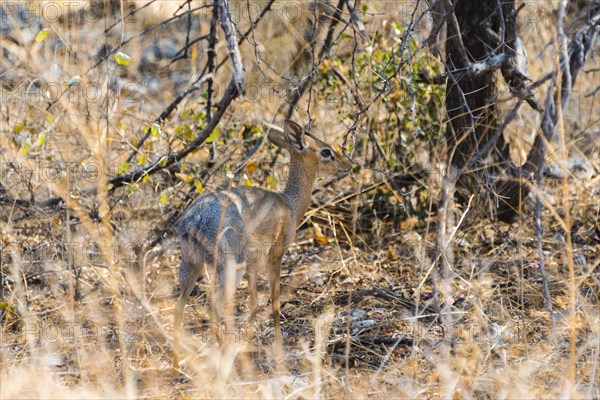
column 229, row 232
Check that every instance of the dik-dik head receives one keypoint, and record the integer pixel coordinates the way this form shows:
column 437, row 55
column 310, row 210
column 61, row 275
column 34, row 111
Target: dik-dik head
column 314, row 152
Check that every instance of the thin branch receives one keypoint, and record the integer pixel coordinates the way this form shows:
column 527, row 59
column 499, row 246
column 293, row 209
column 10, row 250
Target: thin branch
column 539, row 234
column 135, row 10
column 439, row 16
column 185, row 49
column 571, row 63
column 165, row 114
column 299, row 91
column 187, row 37
column 479, row 68
column 245, row 35
column 210, row 64
column 144, row 32
column 231, row 93
column 123, row 43
column 593, row 92
column 211, row 54
column 232, row 44
column 356, row 21
column 572, row 60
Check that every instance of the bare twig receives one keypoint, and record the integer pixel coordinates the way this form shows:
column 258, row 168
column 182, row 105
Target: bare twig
column 299, row 91
column 232, row 44
column 210, row 62
column 165, row 114
column 142, row 33
column 131, row 13
column 593, row 92
column 123, row 43
column 439, row 16
column 571, row 62
column 168, row 160
column 245, row 35
column 187, row 38
column 187, row 46
column 490, row 64
column 566, row 82
column 540, row 250
column 356, row 21
column 201, row 78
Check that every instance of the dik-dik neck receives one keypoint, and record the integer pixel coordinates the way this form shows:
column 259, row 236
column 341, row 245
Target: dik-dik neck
column 299, row 186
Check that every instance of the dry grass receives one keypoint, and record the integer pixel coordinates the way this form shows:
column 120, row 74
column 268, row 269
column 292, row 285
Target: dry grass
column 83, row 318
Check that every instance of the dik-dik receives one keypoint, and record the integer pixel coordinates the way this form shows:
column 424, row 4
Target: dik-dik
column 246, row 228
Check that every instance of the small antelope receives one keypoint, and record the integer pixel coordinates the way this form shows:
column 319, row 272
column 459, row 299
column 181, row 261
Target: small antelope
column 246, row 228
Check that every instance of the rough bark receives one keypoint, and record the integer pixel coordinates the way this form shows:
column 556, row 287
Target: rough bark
column 511, row 191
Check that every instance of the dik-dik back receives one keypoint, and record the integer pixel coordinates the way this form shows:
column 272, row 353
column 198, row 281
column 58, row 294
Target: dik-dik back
column 242, row 229
column 235, row 227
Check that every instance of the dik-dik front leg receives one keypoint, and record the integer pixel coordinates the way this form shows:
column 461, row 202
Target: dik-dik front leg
column 282, row 240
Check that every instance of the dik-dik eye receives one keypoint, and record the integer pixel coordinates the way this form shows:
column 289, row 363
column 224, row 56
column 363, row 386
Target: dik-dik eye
column 326, row 154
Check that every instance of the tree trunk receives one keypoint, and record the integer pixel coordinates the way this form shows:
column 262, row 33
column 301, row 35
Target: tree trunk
column 471, row 99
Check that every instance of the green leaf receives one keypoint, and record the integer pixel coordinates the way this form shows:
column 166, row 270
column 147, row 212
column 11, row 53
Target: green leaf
column 187, row 113
column 200, row 118
column 365, row 8
column 26, row 146
column 142, row 160
column 199, row 187
column 164, row 197
column 124, row 167
column 41, row 139
column 41, row 35
column 122, row 59
column 397, row 28
column 109, row 187
column 184, row 132
column 213, row 136
column 155, row 129
column 6, row 309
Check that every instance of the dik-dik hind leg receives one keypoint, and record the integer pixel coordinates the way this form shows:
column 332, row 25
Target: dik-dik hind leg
column 253, row 300
column 275, row 286
column 188, row 275
column 223, row 298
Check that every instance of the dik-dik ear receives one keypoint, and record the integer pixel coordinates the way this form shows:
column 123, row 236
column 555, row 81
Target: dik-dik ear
column 294, row 134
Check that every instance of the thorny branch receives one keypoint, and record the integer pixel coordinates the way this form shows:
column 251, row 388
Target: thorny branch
column 166, row 161
column 188, row 44
column 299, row 91
column 202, row 77
column 571, row 62
column 166, row 112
